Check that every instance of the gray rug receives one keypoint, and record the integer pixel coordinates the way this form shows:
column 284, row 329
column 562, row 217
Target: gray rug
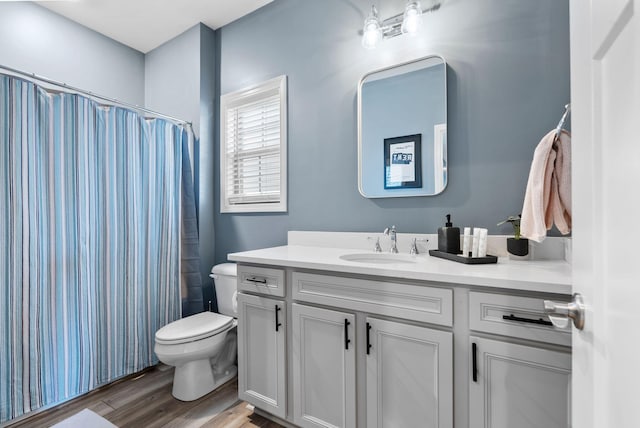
column 85, row 419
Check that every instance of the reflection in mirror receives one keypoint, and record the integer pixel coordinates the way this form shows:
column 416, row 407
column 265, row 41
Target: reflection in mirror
column 402, row 130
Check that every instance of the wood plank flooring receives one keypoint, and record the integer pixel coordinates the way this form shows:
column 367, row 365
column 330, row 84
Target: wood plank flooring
column 145, row 401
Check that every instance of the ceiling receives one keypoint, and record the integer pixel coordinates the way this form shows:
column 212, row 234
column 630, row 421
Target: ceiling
column 146, row 24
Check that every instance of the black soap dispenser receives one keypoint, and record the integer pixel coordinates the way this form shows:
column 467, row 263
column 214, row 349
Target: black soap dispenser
column 449, row 237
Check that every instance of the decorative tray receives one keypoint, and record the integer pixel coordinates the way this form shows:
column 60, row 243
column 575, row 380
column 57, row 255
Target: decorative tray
column 462, row 259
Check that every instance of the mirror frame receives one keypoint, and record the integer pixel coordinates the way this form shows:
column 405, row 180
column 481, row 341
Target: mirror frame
column 359, row 124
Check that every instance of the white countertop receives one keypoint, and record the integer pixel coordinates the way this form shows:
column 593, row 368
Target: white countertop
column 549, row 276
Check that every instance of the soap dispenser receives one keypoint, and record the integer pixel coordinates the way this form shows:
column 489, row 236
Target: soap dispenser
column 449, row 237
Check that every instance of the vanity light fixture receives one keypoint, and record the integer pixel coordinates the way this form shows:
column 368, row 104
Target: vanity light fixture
column 408, row 22
column 412, row 18
column 372, row 31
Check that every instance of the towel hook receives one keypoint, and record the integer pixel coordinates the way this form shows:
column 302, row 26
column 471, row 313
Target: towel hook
column 567, row 109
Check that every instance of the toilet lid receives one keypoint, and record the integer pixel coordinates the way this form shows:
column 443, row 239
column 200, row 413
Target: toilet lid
column 194, row 327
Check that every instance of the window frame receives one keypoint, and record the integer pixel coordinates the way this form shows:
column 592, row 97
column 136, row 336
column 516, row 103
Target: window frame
column 243, row 97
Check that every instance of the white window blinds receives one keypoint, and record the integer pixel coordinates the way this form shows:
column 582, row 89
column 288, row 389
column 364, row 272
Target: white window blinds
column 253, row 149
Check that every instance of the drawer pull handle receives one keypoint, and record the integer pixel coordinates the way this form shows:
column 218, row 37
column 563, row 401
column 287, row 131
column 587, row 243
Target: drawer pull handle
column 368, row 338
column 346, row 334
column 278, row 324
column 529, row 320
column 474, row 360
column 257, row 281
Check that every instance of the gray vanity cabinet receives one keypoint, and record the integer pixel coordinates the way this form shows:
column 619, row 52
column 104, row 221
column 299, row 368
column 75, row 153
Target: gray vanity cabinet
column 407, row 379
column 520, row 374
column 262, row 353
column 409, row 375
column 325, row 349
column 519, row 386
column 324, row 367
column 409, row 371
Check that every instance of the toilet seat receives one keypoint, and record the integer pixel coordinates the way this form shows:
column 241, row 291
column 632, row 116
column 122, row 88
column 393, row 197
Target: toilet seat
column 192, row 328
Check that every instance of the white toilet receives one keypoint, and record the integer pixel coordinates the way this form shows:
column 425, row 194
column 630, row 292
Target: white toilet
column 203, row 347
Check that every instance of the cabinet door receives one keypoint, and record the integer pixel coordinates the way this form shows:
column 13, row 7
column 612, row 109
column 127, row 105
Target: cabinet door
column 518, row 386
column 409, row 376
column 261, row 353
column 324, row 370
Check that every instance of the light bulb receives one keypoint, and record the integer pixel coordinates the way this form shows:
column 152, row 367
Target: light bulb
column 372, row 31
column 412, row 19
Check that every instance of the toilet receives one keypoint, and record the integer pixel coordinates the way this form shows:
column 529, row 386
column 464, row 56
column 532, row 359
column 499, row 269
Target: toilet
column 203, row 347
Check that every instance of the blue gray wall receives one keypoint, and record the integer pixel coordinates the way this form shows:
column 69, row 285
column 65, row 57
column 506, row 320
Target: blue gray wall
column 508, row 82
column 180, row 81
column 172, row 77
column 36, row 40
column 207, row 158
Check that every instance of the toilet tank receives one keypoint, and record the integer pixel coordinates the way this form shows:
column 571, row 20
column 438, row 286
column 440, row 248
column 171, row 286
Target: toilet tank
column 225, row 281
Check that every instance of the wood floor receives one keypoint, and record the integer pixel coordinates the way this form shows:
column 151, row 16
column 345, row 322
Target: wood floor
column 145, row 401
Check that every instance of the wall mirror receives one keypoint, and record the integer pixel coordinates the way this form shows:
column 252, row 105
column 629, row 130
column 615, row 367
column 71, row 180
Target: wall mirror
column 402, row 130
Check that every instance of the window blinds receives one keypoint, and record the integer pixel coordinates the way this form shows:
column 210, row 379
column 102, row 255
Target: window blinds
column 253, row 151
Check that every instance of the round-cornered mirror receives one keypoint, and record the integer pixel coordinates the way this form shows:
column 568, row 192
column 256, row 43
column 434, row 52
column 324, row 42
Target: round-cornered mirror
column 402, row 130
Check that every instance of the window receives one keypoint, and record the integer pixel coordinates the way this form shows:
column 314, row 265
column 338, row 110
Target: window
column 253, row 148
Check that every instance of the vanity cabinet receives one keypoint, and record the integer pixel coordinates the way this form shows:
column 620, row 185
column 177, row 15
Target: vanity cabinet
column 324, row 367
column 329, row 349
column 409, row 375
column 409, row 371
column 518, row 386
column 524, row 384
column 408, row 365
column 262, row 353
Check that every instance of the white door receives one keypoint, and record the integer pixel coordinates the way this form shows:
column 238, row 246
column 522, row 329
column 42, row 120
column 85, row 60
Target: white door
column 261, row 353
column 409, row 376
column 324, row 367
column 518, row 386
column 605, row 97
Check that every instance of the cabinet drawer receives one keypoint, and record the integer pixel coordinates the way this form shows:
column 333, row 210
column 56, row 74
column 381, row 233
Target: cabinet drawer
column 516, row 316
column 261, row 280
column 395, row 299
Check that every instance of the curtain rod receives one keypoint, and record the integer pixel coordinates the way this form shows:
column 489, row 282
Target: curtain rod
column 113, row 101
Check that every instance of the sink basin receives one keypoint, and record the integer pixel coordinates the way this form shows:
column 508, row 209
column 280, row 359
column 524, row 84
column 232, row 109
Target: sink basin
column 378, row 258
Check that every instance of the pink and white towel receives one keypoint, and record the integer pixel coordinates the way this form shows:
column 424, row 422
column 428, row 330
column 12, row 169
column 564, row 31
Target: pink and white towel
column 548, row 196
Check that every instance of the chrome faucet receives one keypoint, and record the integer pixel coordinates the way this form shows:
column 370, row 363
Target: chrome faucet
column 392, row 234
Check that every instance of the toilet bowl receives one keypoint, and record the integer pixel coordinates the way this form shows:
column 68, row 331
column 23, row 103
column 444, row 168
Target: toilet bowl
column 203, row 347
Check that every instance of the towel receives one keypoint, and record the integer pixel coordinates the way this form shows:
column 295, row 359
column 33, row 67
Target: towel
column 548, row 196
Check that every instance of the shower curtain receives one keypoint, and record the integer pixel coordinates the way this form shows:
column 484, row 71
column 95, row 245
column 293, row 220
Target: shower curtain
column 95, row 202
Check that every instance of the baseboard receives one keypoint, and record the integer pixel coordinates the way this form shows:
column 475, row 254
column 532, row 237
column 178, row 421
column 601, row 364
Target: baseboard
column 273, row 418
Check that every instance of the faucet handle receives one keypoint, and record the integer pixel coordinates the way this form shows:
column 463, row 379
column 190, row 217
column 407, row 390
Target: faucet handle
column 414, row 245
column 377, row 248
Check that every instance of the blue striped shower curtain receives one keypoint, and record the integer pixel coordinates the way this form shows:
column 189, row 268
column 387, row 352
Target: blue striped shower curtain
column 90, row 242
